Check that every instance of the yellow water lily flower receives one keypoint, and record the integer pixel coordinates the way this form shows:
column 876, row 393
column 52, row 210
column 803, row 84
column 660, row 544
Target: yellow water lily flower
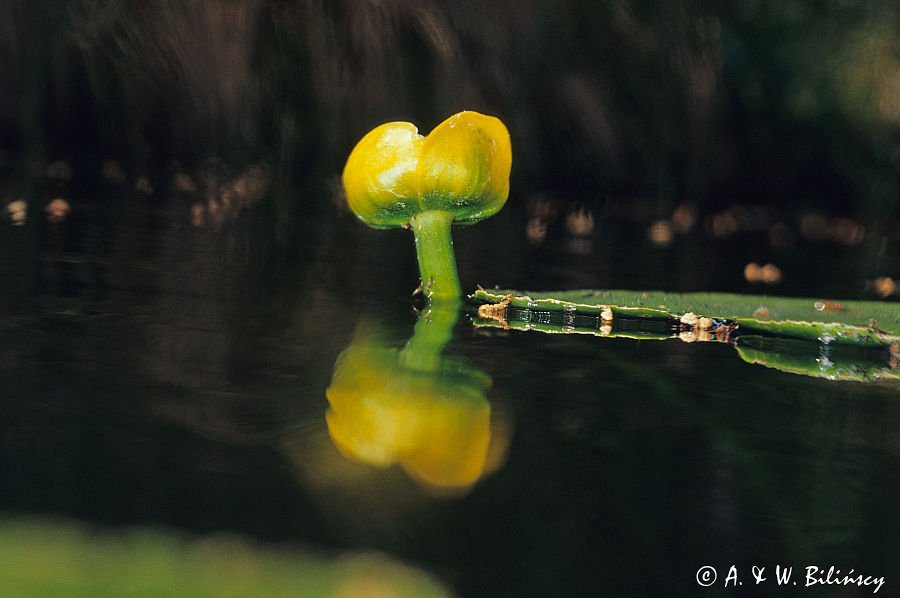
column 462, row 167
column 459, row 173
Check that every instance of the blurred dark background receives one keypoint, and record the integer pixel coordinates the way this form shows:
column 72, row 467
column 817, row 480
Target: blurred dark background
column 772, row 125
column 763, row 102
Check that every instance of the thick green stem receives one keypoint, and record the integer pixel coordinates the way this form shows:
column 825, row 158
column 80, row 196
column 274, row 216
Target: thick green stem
column 437, row 262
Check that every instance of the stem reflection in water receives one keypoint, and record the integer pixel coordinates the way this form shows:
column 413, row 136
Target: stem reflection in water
column 415, row 407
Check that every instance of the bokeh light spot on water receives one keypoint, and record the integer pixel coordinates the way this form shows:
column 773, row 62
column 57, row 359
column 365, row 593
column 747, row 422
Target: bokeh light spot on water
column 660, row 233
column 580, row 223
column 17, row 211
column 723, row 224
column 767, row 274
column 57, row 210
column 684, row 217
column 884, row 286
column 846, row 231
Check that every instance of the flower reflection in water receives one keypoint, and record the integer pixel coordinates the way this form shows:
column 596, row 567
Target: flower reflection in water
column 416, row 408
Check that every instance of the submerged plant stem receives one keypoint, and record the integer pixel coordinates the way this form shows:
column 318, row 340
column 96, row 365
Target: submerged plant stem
column 434, row 249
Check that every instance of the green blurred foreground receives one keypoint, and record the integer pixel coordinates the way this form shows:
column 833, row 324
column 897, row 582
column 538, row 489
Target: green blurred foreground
column 46, row 558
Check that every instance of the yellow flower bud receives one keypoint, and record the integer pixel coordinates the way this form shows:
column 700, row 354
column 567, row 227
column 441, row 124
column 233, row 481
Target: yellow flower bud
column 461, row 167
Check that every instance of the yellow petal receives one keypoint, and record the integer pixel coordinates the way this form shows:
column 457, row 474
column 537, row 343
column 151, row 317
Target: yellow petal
column 464, row 166
column 380, row 175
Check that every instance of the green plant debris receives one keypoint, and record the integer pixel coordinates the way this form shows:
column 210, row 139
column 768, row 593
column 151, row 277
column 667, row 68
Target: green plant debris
column 860, row 323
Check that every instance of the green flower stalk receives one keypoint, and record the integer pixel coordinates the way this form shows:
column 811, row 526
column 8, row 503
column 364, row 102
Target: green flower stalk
column 458, row 174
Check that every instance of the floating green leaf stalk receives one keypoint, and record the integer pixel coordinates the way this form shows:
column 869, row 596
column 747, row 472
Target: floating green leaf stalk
column 819, row 343
column 458, row 174
column 860, row 323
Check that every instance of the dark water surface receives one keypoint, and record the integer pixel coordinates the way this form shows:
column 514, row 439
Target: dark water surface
column 161, row 374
